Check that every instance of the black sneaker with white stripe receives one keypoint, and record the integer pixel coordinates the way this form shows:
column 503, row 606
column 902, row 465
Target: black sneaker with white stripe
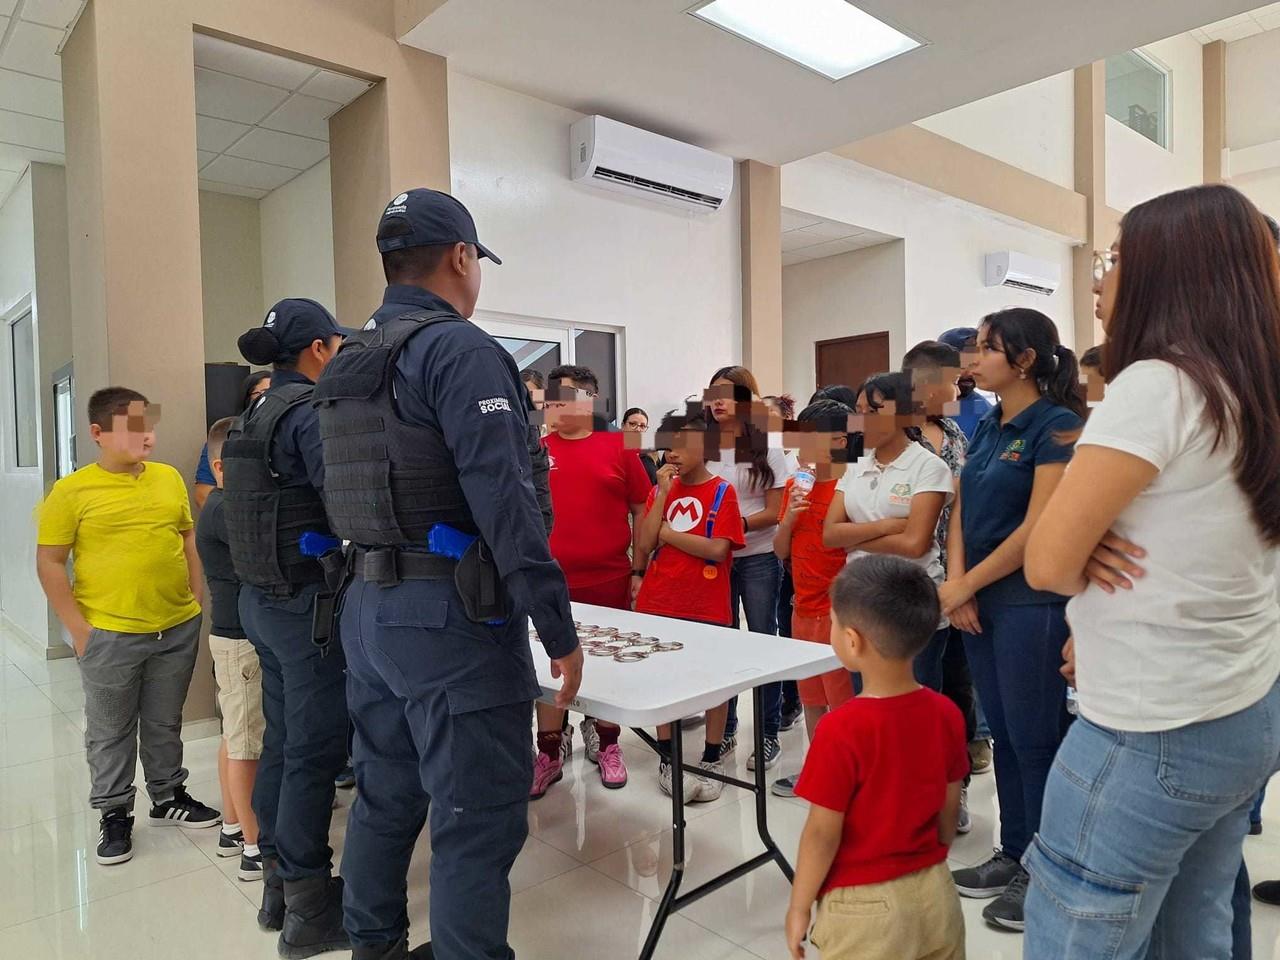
column 183, row 811
column 230, row 844
column 250, row 867
column 115, row 836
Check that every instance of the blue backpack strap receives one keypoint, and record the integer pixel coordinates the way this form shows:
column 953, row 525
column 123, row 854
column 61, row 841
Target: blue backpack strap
column 715, row 506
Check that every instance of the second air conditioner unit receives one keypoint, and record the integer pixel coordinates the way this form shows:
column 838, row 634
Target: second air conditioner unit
column 618, row 157
column 1008, row 268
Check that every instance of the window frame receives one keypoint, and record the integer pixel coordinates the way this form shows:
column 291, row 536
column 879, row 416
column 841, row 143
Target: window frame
column 1166, row 75
column 25, row 310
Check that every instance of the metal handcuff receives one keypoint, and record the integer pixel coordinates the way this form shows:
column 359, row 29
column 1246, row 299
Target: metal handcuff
column 622, row 647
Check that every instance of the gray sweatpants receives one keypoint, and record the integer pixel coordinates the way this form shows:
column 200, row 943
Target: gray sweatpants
column 134, row 688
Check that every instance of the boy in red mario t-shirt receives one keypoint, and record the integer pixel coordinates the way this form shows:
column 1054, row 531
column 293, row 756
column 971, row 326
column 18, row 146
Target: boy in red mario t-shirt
column 690, row 529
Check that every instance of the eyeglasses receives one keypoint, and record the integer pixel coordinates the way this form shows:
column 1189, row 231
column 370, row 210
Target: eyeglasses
column 1104, row 261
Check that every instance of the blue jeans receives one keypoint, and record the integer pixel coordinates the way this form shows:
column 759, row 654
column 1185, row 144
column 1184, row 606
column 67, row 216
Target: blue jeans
column 1241, row 917
column 754, row 586
column 1139, row 849
column 928, row 662
column 786, row 594
column 1015, row 663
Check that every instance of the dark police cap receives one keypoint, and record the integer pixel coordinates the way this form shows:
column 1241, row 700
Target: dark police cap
column 959, row 337
column 422, row 217
column 289, row 328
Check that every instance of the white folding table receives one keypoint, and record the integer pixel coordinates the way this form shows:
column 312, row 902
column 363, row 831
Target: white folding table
column 717, row 663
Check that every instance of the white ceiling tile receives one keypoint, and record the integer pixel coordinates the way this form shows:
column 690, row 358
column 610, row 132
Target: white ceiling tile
column 789, row 259
column 830, row 230
column 214, row 186
column 793, row 219
column 1269, row 20
column 1236, row 31
column 305, row 116
column 4, row 22
column 794, row 240
column 51, row 13
column 27, row 94
column 6, row 7
column 1228, row 22
column 251, row 64
column 248, row 173
column 285, row 149
column 216, row 135
column 31, row 131
column 1200, row 35
column 16, row 157
column 33, row 49
column 203, row 157
column 831, row 248
column 328, row 85
column 234, row 98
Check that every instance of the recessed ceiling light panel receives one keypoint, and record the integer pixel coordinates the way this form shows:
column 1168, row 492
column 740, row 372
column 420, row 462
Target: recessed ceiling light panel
column 830, row 37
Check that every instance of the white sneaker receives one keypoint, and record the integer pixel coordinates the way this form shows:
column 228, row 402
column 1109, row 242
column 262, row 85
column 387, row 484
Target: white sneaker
column 566, row 744
column 692, row 784
column 590, row 739
column 965, row 823
column 709, row 789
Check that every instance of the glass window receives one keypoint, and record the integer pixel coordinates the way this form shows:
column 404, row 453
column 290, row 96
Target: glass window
column 1138, row 95
column 64, row 424
column 25, row 400
column 599, row 352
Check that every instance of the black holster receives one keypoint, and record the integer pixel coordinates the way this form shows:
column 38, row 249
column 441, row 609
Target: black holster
column 484, row 598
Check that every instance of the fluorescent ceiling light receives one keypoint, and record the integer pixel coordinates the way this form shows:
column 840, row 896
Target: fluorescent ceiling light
column 831, row 37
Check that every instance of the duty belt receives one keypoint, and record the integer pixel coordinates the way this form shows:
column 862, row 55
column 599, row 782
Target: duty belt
column 388, row 566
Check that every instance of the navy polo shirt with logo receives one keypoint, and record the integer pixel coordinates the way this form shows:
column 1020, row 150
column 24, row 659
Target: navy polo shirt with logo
column 995, row 487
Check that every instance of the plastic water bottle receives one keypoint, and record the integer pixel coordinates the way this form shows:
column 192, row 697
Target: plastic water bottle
column 805, row 478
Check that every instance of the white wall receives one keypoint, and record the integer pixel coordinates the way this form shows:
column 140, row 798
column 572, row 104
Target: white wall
column 945, row 243
column 670, row 280
column 1031, row 127
column 1138, row 169
column 1263, row 188
column 842, row 296
column 230, row 273
column 297, row 241
column 21, row 601
column 1253, row 90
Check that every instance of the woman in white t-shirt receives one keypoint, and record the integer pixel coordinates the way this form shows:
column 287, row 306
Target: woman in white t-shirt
column 758, row 473
column 890, row 500
column 1147, row 805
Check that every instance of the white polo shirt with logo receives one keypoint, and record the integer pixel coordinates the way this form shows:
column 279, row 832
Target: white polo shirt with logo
column 873, row 492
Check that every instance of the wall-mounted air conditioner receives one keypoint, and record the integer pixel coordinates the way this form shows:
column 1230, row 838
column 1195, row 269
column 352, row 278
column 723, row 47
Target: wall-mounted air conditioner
column 612, row 155
column 1009, row 268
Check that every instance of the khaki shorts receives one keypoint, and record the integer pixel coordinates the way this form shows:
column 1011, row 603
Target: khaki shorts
column 908, row 918
column 239, row 677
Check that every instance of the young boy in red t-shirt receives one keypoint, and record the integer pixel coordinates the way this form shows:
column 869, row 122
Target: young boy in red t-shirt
column 883, row 780
column 597, row 487
column 821, row 437
column 690, row 529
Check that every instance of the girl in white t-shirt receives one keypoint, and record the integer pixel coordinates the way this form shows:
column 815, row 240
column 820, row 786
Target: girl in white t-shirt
column 1146, row 808
column 890, row 500
column 758, row 473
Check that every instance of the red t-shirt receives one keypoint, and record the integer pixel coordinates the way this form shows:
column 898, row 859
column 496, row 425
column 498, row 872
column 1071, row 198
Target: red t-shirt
column 813, row 566
column 885, row 764
column 594, row 482
column 674, row 583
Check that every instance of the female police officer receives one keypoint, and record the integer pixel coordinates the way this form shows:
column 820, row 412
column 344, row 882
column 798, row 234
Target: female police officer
column 274, row 475
column 428, row 451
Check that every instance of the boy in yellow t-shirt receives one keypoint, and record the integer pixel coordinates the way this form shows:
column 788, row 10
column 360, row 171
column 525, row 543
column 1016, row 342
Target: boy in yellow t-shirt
column 132, row 608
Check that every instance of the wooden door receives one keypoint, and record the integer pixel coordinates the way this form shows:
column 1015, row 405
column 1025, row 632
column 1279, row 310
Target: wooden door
column 850, row 360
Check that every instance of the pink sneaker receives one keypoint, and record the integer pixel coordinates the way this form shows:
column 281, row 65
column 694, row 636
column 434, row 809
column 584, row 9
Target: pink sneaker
column 613, row 769
column 546, row 771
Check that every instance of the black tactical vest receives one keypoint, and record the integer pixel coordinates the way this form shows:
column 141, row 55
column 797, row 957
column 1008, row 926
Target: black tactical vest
column 264, row 519
column 387, row 482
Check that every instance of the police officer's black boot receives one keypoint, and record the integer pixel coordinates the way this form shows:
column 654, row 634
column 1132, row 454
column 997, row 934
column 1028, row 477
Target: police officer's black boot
column 312, row 918
column 393, row 951
column 271, row 916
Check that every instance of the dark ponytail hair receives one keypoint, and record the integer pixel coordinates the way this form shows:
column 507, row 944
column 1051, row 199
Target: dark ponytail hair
column 1055, row 370
column 260, row 346
column 754, row 442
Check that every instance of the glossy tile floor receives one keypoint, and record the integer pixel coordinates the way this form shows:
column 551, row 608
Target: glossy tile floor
column 585, row 885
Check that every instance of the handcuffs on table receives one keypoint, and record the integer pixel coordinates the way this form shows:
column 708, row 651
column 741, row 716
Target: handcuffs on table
column 622, row 647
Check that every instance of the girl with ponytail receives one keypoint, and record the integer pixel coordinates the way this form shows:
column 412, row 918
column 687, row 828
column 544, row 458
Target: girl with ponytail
column 1013, row 634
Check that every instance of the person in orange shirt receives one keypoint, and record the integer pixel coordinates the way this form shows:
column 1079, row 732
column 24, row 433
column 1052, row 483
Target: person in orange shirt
column 823, row 443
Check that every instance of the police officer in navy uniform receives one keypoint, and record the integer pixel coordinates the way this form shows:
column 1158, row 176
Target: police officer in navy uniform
column 274, row 475
column 429, row 474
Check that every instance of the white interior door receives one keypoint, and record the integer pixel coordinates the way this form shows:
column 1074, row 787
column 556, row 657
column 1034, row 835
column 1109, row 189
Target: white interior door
column 534, row 346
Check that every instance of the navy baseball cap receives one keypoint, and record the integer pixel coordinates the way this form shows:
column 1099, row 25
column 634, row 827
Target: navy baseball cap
column 422, row 217
column 289, row 328
column 959, row 337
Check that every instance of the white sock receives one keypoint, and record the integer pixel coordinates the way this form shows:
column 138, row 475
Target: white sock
column 251, row 850
column 231, row 829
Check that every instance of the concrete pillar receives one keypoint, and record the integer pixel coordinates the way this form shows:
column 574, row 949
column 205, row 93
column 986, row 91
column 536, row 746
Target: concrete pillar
column 761, row 189
column 1091, row 181
column 1215, row 109
column 393, row 138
